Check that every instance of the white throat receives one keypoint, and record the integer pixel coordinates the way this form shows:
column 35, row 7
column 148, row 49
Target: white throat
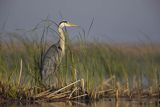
column 61, row 39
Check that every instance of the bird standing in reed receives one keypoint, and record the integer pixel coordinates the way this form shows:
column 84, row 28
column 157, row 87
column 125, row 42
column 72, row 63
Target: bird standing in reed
column 54, row 54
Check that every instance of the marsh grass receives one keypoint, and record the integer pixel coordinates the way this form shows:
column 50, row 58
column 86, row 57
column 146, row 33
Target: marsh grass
column 89, row 70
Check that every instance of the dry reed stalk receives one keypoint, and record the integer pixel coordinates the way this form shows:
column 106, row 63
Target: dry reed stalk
column 52, row 94
column 94, row 94
column 154, row 94
column 104, row 91
column 58, row 97
column 75, row 89
column 42, row 94
column 82, row 85
column 117, row 91
column 117, row 95
column 59, row 94
column 79, row 96
column 20, row 73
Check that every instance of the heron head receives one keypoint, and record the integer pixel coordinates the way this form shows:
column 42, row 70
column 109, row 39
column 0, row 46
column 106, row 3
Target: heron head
column 66, row 24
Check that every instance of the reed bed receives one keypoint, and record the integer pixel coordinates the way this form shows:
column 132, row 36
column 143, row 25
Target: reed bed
column 89, row 70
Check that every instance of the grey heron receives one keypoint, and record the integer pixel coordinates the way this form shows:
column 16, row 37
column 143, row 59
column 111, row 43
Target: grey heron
column 54, row 54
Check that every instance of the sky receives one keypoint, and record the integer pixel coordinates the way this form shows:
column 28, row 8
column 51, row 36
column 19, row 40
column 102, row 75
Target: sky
column 117, row 20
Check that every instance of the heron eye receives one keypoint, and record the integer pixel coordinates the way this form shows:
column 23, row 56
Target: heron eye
column 59, row 48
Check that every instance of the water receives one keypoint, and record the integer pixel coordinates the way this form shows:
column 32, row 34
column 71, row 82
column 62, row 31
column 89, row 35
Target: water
column 101, row 103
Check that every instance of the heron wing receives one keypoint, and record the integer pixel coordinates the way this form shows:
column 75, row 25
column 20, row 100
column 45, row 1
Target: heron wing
column 51, row 60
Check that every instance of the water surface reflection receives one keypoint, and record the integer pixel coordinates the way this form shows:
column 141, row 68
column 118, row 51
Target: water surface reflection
column 100, row 103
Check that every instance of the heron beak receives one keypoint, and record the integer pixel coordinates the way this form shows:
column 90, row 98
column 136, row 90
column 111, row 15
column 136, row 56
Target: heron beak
column 72, row 25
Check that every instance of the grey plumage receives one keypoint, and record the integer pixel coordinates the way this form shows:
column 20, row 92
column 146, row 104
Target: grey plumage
column 51, row 60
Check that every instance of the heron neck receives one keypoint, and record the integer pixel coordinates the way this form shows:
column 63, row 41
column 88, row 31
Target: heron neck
column 61, row 39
